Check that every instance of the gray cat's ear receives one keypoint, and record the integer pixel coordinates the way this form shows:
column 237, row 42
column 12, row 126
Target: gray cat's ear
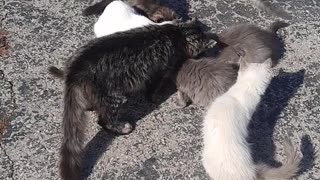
column 239, row 50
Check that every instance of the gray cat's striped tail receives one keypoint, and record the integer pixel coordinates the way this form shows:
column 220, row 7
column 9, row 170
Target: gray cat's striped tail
column 267, row 7
column 287, row 170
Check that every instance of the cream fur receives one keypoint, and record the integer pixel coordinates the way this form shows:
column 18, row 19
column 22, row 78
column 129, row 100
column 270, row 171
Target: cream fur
column 119, row 16
column 226, row 153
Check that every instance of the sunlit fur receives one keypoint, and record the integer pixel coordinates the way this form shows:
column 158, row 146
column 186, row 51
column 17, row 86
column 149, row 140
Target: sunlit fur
column 152, row 9
column 119, row 16
column 226, row 153
column 201, row 80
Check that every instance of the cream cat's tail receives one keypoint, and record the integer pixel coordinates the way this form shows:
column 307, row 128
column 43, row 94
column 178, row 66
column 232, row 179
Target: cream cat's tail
column 287, row 170
column 267, row 7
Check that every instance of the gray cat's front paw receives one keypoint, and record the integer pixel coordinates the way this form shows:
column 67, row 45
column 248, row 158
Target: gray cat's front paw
column 181, row 104
column 182, row 100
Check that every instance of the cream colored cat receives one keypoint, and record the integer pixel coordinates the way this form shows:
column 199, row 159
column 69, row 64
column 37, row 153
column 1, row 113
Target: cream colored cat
column 226, row 153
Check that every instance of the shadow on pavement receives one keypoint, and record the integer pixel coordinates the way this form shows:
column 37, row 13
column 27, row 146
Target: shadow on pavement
column 309, row 154
column 281, row 89
column 135, row 109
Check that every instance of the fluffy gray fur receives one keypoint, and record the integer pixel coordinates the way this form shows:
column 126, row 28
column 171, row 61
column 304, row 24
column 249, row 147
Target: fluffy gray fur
column 201, row 81
column 254, row 39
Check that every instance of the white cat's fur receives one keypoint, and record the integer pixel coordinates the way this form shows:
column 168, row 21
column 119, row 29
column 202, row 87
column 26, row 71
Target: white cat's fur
column 119, row 16
column 226, row 153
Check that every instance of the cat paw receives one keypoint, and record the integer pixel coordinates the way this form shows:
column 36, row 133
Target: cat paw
column 119, row 127
column 154, row 98
column 182, row 100
column 181, row 104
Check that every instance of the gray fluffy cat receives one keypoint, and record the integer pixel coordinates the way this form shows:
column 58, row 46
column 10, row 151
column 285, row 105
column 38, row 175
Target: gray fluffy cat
column 201, row 81
column 253, row 38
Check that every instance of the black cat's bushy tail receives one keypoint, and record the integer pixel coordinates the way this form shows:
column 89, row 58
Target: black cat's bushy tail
column 275, row 26
column 73, row 127
column 287, row 170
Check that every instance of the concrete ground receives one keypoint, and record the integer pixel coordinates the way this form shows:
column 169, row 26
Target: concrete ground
column 167, row 141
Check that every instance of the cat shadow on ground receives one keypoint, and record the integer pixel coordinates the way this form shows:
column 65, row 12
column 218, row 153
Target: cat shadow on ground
column 281, row 89
column 136, row 108
column 309, row 154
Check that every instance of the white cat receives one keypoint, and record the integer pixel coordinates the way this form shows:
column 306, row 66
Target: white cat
column 119, row 16
column 226, row 153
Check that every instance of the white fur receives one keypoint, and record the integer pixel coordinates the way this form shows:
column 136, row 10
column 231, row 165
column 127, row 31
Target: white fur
column 226, row 153
column 119, row 16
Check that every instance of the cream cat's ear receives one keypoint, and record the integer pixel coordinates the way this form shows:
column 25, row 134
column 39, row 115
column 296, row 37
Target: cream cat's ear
column 268, row 62
column 241, row 52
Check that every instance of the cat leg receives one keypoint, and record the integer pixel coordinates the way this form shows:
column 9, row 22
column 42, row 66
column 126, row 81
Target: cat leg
column 153, row 87
column 96, row 9
column 182, row 99
column 156, row 96
column 107, row 115
column 150, row 90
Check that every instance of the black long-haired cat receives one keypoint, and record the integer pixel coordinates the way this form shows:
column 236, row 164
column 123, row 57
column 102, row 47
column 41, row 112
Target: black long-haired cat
column 105, row 71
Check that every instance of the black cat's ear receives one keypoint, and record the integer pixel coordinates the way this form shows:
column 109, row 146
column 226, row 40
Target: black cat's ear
column 212, row 36
column 193, row 20
column 239, row 50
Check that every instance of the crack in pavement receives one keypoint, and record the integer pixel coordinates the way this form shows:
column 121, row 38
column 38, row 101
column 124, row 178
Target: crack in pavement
column 12, row 103
column 12, row 94
column 5, row 14
column 10, row 160
column 8, row 115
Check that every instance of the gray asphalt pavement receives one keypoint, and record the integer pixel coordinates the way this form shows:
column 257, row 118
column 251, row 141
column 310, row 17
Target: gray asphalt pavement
column 167, row 141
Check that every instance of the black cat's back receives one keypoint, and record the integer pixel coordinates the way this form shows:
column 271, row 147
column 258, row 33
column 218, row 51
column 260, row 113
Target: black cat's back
column 106, row 70
column 128, row 55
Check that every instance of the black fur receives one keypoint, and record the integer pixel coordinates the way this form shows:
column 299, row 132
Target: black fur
column 104, row 72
